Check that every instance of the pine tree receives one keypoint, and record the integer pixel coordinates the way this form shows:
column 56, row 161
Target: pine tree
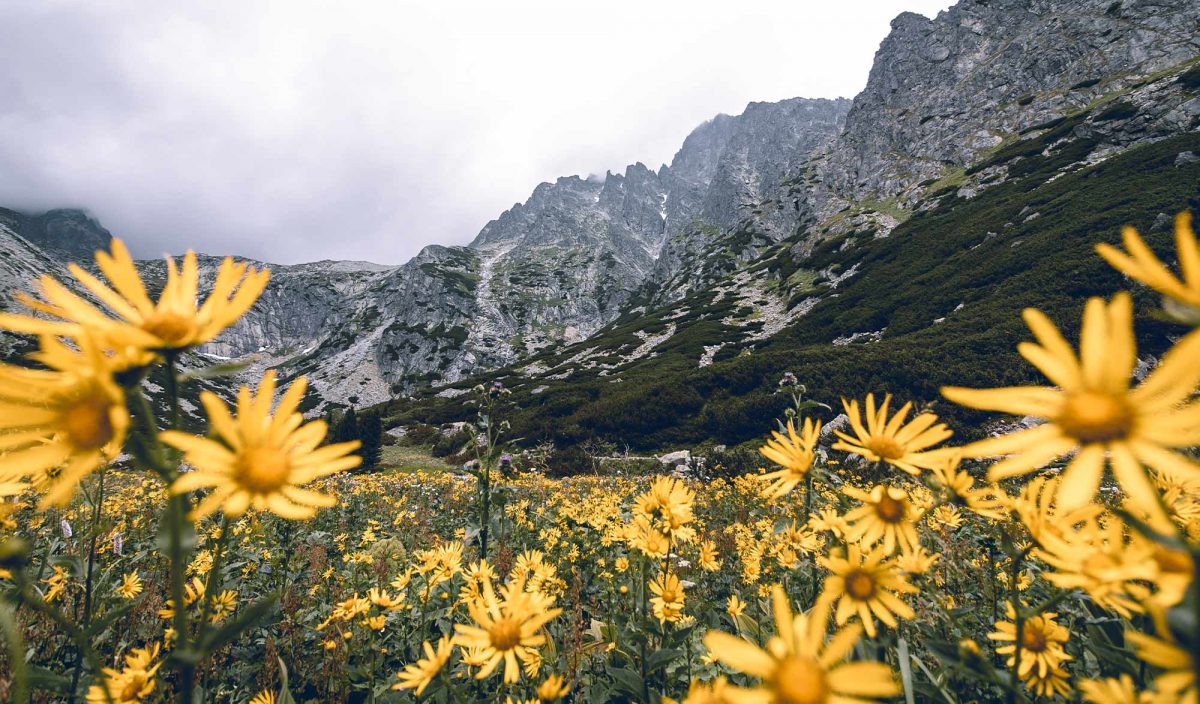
column 346, row 428
column 370, row 431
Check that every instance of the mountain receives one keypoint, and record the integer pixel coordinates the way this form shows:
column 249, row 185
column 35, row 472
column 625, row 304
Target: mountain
column 66, row 234
column 880, row 243
column 991, row 148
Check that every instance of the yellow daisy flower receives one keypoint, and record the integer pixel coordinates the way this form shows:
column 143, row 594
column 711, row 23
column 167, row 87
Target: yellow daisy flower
column 131, row 586
column 884, row 439
column 262, row 460
column 886, row 515
column 668, row 598
column 1093, row 412
column 794, row 453
column 709, row 560
column 132, row 684
column 505, row 629
column 553, row 689
column 1113, row 691
column 173, row 322
column 1042, row 642
column 61, row 423
column 1182, row 297
column 864, row 584
column 264, row 697
column 1178, row 665
column 668, row 507
column 958, row 487
column 418, row 675
column 799, row 664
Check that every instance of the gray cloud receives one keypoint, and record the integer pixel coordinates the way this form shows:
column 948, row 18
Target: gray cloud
column 289, row 130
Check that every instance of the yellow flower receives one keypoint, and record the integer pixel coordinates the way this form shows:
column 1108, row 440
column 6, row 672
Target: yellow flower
column 422, row 672
column 918, row 561
column 886, row 515
column 56, row 583
column 700, row 693
column 792, row 452
column 735, row 606
column 649, row 540
column 263, row 459
column 958, row 487
column 948, row 516
column 889, row 440
column 1053, row 682
column 264, row 697
column 222, row 605
column 1179, row 677
column 192, row 591
column 1113, row 691
column 173, row 322
column 668, row 598
column 553, row 689
column 667, row 505
column 59, row 424
column 708, row 559
column 1094, row 413
column 799, row 664
column 133, row 683
column 131, row 586
column 505, row 630
column 1182, row 297
column 864, row 584
column 1041, row 643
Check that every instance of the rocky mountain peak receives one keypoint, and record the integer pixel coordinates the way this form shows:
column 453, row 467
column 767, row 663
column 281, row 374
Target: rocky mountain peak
column 68, row 234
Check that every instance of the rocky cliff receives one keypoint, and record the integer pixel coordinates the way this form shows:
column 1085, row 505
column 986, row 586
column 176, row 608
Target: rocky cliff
column 759, row 219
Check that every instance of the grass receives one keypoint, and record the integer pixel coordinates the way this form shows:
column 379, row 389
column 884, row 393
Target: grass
column 406, row 459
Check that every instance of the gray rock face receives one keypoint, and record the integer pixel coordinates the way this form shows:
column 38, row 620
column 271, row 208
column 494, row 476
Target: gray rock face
column 743, row 182
column 66, row 234
column 943, row 92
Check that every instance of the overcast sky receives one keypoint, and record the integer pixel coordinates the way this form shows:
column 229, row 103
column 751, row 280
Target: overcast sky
column 296, row 130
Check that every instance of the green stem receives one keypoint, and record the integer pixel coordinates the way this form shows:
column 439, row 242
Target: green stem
column 16, row 654
column 97, row 508
column 215, row 577
column 34, row 600
column 642, row 607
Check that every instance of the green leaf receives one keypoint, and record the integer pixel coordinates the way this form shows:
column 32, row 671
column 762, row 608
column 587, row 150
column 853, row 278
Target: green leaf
column 42, row 678
column 108, row 618
column 661, row 658
column 906, row 677
column 284, row 696
column 627, row 680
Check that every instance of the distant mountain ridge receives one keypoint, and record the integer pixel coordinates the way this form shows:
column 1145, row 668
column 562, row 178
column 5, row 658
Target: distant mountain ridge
column 761, row 220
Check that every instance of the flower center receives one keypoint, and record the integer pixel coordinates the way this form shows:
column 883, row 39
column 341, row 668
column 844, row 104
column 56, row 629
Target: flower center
column 1091, row 417
column 87, row 423
column 172, row 328
column 889, row 510
column 1033, row 639
column 505, row 634
column 264, row 469
column 860, row 585
column 885, row 447
column 801, row 680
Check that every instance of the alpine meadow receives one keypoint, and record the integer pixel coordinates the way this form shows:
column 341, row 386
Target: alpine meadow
column 885, row 399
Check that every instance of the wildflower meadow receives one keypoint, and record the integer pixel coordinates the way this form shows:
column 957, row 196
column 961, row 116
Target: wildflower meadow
column 143, row 560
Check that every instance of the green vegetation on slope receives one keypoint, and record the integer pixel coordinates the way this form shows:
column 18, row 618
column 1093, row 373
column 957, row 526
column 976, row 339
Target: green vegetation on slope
column 1026, row 242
